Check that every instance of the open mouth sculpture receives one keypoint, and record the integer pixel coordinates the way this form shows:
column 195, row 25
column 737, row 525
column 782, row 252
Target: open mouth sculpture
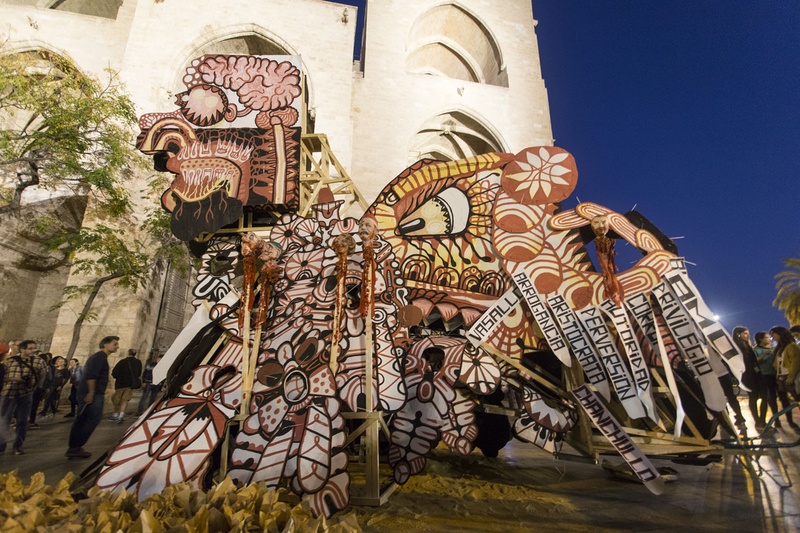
column 232, row 143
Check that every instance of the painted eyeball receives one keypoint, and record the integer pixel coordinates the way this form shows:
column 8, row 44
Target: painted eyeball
column 202, row 105
column 442, row 214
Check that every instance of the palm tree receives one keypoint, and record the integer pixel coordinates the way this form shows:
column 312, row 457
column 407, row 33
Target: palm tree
column 788, row 285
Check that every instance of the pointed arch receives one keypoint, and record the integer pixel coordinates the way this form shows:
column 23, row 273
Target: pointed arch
column 451, row 41
column 455, row 134
column 96, row 8
column 47, row 52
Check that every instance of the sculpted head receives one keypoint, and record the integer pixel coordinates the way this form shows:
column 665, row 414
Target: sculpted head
column 271, row 251
column 344, row 244
column 600, row 225
column 368, row 228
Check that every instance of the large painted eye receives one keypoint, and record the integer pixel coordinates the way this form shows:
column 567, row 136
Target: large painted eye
column 445, row 213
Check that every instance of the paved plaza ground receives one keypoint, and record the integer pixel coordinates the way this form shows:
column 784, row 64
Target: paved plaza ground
column 524, row 489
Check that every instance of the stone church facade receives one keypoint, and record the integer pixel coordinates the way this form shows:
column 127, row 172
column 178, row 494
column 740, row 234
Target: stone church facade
column 435, row 78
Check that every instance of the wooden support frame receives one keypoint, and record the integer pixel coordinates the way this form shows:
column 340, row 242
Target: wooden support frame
column 236, row 421
column 319, row 168
column 369, row 431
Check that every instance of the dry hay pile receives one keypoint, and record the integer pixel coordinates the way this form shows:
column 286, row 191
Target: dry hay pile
column 41, row 508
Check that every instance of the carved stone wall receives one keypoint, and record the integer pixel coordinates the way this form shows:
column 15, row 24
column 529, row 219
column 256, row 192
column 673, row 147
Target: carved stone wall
column 32, row 280
column 442, row 79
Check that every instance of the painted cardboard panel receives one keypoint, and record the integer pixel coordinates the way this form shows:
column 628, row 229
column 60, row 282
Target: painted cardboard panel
column 233, row 143
column 452, row 238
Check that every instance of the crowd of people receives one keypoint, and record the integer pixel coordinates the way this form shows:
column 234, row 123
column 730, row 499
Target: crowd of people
column 33, row 383
column 772, row 372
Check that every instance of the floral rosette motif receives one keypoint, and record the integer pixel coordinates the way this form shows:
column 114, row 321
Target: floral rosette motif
column 540, row 175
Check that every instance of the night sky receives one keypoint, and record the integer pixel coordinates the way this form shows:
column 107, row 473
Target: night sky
column 689, row 111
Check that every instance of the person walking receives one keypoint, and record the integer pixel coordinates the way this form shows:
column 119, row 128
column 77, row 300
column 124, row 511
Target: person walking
column 91, row 395
column 21, row 377
column 126, row 378
column 75, row 374
column 150, row 389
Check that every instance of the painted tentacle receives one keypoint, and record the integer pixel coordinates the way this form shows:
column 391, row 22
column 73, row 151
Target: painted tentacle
column 435, row 411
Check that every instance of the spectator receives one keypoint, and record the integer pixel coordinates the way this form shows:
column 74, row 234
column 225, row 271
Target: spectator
column 21, row 379
column 150, row 389
column 766, row 359
column 126, row 378
column 751, row 378
column 726, row 381
column 795, row 331
column 91, row 395
column 3, row 352
column 75, row 374
column 11, row 351
column 44, row 387
column 13, row 348
column 60, row 376
column 787, row 364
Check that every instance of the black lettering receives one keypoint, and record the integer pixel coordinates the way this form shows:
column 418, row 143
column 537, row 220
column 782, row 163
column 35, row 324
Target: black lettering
column 722, row 343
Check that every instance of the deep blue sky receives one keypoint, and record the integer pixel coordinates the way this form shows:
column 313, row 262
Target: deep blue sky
column 690, row 110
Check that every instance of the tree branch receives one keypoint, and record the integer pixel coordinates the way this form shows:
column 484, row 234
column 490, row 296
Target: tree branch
column 16, row 200
column 76, row 329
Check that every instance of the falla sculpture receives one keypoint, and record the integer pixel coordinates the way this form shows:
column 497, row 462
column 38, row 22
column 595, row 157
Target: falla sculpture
column 464, row 285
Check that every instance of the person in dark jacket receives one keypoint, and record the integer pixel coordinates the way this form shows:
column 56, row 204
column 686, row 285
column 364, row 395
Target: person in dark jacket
column 43, row 389
column 150, row 389
column 751, row 378
column 766, row 359
column 91, row 395
column 75, row 375
column 126, row 378
column 59, row 377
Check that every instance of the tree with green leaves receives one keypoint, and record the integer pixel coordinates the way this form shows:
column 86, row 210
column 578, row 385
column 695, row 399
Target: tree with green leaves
column 104, row 253
column 788, row 285
column 63, row 132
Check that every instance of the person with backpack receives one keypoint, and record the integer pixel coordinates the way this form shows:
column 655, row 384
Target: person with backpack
column 126, row 375
column 21, row 378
